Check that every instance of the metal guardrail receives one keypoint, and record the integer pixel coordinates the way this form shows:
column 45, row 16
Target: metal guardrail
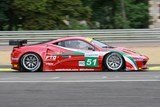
column 111, row 35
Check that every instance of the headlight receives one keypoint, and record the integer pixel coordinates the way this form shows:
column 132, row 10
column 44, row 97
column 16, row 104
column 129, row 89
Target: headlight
column 138, row 59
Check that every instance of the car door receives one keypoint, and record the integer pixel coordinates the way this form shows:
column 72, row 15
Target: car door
column 80, row 54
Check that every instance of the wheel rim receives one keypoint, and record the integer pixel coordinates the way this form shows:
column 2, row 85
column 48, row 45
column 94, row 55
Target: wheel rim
column 114, row 61
column 31, row 62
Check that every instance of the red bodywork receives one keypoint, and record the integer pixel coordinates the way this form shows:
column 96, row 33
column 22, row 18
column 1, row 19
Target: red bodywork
column 58, row 58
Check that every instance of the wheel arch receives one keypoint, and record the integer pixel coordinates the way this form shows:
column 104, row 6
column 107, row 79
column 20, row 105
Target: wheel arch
column 29, row 52
column 103, row 60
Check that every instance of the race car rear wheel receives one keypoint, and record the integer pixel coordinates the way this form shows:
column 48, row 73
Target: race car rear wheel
column 30, row 62
column 114, row 62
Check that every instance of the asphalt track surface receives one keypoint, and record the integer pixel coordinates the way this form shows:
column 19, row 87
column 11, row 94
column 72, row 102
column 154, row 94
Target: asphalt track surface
column 80, row 89
column 151, row 67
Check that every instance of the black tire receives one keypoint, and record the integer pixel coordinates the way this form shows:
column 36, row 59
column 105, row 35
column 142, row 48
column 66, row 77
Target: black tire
column 114, row 62
column 30, row 62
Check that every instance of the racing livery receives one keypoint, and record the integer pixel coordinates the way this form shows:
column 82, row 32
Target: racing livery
column 74, row 54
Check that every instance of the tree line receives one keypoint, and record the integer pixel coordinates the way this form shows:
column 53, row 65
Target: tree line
column 73, row 14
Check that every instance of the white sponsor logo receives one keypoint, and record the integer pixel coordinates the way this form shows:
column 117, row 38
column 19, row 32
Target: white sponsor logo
column 66, row 69
column 74, row 69
column 91, row 55
column 86, row 69
column 49, row 64
column 53, row 58
column 81, row 63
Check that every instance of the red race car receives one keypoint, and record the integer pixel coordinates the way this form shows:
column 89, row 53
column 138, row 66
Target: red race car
column 74, row 54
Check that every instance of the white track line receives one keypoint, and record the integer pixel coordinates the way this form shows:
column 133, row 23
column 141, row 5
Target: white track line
column 80, row 81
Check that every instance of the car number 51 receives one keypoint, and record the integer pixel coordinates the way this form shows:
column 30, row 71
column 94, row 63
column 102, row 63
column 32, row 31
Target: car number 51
column 91, row 61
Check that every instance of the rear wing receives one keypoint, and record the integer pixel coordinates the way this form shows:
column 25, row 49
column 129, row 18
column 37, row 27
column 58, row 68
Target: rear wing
column 17, row 42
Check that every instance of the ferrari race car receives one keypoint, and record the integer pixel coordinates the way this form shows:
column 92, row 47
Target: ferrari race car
column 74, row 54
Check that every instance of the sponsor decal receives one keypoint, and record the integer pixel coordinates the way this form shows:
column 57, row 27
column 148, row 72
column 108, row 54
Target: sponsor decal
column 91, row 59
column 74, row 69
column 86, row 69
column 66, row 69
column 52, row 58
column 49, row 64
column 91, row 55
column 81, row 63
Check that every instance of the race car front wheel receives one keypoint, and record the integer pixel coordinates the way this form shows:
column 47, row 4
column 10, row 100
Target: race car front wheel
column 114, row 62
column 30, row 62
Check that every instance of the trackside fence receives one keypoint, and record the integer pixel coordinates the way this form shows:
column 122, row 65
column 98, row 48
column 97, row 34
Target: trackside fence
column 107, row 35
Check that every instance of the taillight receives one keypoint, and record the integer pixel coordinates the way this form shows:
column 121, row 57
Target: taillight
column 15, row 52
column 14, row 49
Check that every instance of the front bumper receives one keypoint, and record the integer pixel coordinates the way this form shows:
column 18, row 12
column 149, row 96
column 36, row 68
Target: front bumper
column 138, row 63
column 141, row 64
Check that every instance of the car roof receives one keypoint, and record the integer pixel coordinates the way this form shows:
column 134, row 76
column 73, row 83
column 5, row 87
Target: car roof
column 72, row 38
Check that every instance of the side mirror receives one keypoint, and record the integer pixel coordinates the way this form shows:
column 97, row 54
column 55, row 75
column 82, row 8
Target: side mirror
column 91, row 48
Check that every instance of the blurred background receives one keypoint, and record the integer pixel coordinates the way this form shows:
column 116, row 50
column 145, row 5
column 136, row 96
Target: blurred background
column 78, row 14
column 128, row 23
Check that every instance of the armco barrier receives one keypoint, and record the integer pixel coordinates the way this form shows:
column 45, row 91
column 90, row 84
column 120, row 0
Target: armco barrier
column 111, row 35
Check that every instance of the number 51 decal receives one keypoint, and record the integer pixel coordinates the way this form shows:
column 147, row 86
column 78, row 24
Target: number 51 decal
column 91, row 61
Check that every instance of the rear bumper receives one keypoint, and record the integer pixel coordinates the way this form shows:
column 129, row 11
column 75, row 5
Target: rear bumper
column 15, row 66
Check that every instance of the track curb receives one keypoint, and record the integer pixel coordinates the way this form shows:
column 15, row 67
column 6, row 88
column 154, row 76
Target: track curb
column 6, row 69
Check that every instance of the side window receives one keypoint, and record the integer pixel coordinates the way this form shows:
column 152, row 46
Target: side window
column 62, row 43
column 85, row 45
column 76, row 44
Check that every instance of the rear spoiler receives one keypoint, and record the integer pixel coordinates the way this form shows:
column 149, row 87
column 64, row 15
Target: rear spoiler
column 17, row 42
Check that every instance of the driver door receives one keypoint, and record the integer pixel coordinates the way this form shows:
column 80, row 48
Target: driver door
column 81, row 54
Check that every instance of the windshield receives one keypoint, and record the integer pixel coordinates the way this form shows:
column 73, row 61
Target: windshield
column 99, row 44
